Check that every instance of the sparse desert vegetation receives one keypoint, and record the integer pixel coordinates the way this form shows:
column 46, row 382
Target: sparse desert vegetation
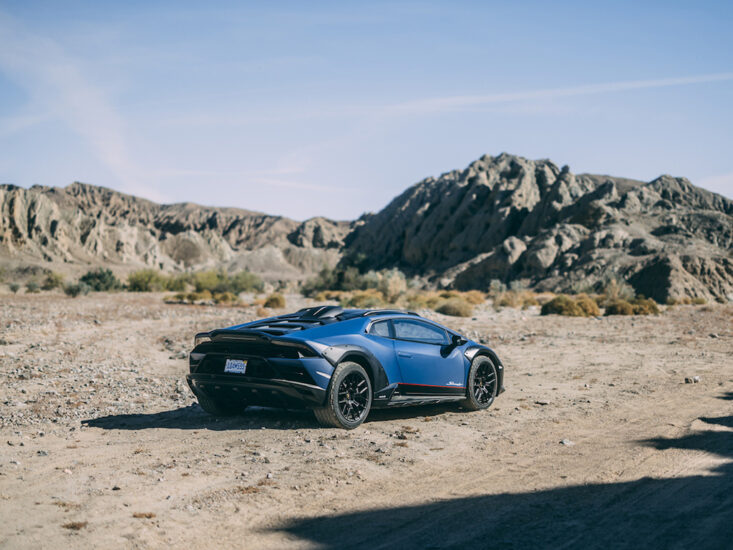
column 106, row 421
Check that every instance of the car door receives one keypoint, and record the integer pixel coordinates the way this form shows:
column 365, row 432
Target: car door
column 429, row 364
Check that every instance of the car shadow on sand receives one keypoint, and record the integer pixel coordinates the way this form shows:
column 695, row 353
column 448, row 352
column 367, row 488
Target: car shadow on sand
column 193, row 417
column 678, row 512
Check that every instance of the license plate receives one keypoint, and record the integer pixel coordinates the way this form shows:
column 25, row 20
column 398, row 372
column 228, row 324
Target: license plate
column 236, row 366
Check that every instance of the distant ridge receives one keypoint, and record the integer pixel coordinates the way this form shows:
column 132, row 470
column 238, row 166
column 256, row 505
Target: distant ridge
column 503, row 217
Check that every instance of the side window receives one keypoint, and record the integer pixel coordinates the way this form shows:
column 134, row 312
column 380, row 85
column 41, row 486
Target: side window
column 421, row 332
column 380, row 329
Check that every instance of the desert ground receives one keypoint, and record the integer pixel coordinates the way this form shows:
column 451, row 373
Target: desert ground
column 598, row 441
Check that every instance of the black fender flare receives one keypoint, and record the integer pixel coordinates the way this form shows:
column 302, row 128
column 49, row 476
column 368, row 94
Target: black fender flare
column 345, row 352
column 474, row 351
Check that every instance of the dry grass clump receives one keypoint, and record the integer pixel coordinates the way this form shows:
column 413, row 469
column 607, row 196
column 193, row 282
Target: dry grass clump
column 75, row 525
column 456, row 307
column 275, row 301
column 637, row 306
column 337, row 295
column 645, row 306
column 262, row 312
column 686, row 300
column 588, row 305
column 422, row 299
column 619, row 307
column 371, row 297
column 516, row 298
column 226, row 298
column 475, row 297
column 563, row 305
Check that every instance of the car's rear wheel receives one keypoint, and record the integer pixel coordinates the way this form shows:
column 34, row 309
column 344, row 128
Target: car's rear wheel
column 349, row 397
column 218, row 407
column 482, row 384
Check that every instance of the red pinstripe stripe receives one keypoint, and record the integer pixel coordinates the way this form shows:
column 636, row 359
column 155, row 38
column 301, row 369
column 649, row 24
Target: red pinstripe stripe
column 430, row 385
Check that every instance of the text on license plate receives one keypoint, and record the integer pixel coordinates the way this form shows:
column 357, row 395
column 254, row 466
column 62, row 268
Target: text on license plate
column 237, row 366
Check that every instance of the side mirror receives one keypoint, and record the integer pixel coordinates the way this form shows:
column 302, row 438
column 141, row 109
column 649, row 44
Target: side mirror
column 458, row 340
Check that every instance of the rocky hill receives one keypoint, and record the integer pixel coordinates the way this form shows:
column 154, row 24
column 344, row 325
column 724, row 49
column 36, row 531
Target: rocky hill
column 504, row 217
column 509, row 218
column 81, row 225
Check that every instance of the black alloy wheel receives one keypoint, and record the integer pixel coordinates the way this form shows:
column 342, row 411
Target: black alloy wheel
column 348, row 399
column 482, row 384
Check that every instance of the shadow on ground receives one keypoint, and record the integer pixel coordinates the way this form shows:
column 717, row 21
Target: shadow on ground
column 684, row 512
column 193, row 417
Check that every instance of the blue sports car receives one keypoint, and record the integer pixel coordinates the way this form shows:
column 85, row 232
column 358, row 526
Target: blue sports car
column 341, row 363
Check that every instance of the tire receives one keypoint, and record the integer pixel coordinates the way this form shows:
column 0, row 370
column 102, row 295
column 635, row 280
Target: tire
column 218, row 408
column 348, row 412
column 482, row 384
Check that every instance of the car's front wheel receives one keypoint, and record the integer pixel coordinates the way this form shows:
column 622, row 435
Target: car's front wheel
column 349, row 397
column 482, row 384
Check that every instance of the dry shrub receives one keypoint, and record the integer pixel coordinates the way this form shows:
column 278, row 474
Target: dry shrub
column 225, row 298
column 275, row 301
column 588, row 305
column 618, row 290
column 247, row 490
column 563, row 305
column 202, row 296
column 392, row 285
column 619, row 307
column 368, row 298
column 698, row 301
column 456, row 307
column 507, row 299
column 645, row 306
column 474, row 297
column 516, row 298
column 75, row 525
column 262, row 312
column 448, row 294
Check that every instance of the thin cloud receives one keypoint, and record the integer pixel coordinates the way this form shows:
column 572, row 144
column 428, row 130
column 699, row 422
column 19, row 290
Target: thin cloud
column 58, row 86
column 438, row 104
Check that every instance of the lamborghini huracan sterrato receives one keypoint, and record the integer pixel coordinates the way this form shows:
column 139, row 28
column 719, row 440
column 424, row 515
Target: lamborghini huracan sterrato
column 341, row 363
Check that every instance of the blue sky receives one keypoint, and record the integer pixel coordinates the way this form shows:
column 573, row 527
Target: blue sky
column 317, row 108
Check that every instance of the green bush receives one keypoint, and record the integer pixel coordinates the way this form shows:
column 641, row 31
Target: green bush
column 75, row 289
column 390, row 282
column 146, row 280
column 32, row 287
column 275, row 301
column 619, row 307
column 53, row 280
column 177, row 283
column 101, row 280
column 563, row 305
column 246, row 281
column 219, row 281
column 457, row 307
column 14, row 287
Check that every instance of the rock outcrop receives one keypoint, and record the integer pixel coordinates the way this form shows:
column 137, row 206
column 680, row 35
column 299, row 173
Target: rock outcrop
column 89, row 225
column 514, row 219
column 504, row 217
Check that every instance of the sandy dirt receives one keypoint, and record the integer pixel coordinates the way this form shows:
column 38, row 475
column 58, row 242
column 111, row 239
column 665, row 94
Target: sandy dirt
column 597, row 442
